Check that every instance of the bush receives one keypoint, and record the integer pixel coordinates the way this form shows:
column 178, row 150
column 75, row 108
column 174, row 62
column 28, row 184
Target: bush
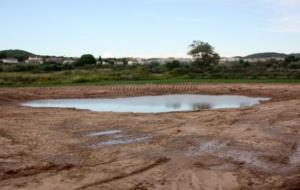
column 172, row 65
column 86, row 59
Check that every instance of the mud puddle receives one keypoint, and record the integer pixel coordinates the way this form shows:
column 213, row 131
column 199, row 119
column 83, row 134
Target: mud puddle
column 116, row 137
column 124, row 140
column 103, row 133
column 152, row 104
column 295, row 157
column 237, row 154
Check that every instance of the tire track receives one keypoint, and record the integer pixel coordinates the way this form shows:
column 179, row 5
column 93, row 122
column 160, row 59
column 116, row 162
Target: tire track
column 143, row 169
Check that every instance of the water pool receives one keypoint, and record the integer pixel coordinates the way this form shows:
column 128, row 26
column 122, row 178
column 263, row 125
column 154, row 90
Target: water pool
column 151, row 104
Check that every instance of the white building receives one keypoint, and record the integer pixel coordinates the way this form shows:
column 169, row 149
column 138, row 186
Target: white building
column 54, row 59
column 184, row 60
column 253, row 60
column 133, row 62
column 69, row 61
column 230, row 59
column 10, row 60
column 37, row 60
column 163, row 61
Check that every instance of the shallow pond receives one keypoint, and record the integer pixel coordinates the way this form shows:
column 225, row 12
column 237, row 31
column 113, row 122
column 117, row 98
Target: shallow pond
column 151, row 104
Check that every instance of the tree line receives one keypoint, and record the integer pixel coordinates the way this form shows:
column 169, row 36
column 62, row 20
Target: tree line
column 205, row 64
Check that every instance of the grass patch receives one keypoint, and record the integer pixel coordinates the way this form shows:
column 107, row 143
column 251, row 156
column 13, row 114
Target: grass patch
column 81, row 82
column 124, row 77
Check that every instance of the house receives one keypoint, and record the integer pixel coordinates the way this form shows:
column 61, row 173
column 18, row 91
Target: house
column 253, row 60
column 163, row 61
column 230, row 59
column 119, row 62
column 140, row 61
column 37, row 60
column 10, row 60
column 185, row 60
column 133, row 61
column 54, row 59
column 69, row 61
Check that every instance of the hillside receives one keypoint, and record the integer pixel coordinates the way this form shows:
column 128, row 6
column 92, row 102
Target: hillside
column 296, row 54
column 266, row 55
column 18, row 54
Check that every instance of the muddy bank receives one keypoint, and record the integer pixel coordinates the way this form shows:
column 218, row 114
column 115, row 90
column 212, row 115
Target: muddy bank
column 250, row 148
column 276, row 91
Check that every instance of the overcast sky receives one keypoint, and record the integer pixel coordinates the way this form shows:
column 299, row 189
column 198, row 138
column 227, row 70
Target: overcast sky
column 149, row 28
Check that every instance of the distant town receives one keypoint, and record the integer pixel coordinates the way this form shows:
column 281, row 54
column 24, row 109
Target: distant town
column 30, row 58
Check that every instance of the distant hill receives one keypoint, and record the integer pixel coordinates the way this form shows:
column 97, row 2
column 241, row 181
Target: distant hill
column 266, row 55
column 18, row 54
column 296, row 54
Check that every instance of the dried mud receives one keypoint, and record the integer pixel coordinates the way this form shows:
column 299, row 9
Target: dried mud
column 248, row 148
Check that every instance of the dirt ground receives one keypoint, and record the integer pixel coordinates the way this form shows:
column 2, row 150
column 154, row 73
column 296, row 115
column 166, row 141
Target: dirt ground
column 247, row 148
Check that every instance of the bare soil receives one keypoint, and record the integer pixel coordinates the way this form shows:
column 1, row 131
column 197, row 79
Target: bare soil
column 249, row 148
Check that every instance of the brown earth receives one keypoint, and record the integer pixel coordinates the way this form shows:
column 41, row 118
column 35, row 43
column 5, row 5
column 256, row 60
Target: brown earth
column 249, row 148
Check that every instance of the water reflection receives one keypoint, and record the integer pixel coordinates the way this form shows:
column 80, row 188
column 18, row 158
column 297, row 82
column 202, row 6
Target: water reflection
column 175, row 106
column 151, row 104
column 201, row 106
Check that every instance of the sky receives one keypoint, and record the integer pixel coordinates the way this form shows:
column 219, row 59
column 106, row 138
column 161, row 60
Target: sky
column 149, row 28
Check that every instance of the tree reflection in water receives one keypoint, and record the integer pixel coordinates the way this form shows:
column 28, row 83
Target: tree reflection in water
column 175, row 106
column 201, row 106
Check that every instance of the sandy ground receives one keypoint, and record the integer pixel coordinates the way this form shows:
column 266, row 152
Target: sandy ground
column 249, row 148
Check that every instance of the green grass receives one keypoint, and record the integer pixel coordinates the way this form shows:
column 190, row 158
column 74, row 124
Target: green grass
column 107, row 77
column 163, row 81
column 190, row 81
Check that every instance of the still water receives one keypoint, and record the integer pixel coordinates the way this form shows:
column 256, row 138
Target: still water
column 151, row 104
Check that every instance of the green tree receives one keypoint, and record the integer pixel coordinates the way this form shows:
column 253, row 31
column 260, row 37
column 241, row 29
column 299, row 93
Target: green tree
column 100, row 61
column 172, row 64
column 2, row 55
column 291, row 59
column 125, row 61
column 153, row 67
column 203, row 53
column 86, row 59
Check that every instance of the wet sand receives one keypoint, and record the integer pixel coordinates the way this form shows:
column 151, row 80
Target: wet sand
column 247, row 148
